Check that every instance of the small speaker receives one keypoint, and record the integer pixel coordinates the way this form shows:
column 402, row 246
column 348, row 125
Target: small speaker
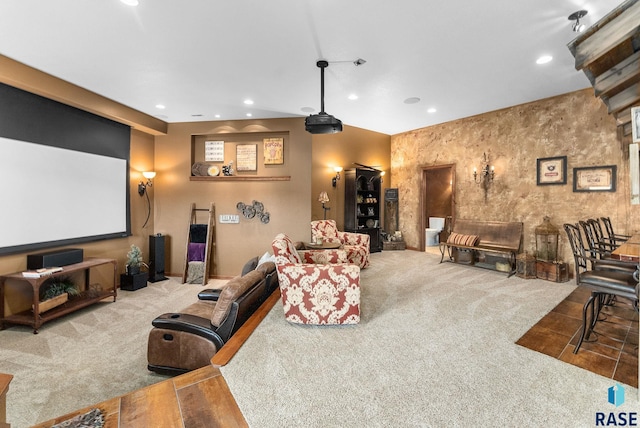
column 156, row 258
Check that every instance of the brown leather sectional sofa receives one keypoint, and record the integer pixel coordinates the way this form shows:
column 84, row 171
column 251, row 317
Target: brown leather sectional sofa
column 187, row 339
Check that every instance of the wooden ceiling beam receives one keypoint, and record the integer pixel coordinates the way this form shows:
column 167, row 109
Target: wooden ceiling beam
column 623, row 99
column 623, row 117
column 611, row 34
column 620, row 75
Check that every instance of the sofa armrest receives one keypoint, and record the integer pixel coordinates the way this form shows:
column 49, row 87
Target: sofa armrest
column 353, row 238
column 211, row 294
column 323, row 256
column 190, row 324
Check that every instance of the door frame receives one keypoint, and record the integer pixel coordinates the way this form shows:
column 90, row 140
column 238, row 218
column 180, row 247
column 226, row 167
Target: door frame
column 424, row 221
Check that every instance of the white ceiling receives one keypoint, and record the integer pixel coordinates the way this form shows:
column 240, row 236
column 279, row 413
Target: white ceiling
column 205, row 57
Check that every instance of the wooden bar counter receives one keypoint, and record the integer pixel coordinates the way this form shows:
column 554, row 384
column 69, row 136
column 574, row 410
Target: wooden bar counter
column 628, row 251
column 5, row 379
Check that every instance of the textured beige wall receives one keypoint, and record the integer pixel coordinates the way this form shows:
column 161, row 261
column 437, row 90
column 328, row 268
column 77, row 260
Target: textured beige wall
column 286, row 201
column 343, row 149
column 575, row 125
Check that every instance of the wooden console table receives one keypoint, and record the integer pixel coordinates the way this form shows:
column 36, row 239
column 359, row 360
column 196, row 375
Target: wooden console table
column 33, row 317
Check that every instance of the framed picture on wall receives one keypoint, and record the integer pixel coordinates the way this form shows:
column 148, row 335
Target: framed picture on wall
column 273, row 151
column 635, row 124
column 551, row 171
column 595, row 179
column 246, row 157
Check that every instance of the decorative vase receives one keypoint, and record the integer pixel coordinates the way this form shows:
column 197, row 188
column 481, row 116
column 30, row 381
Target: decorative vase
column 53, row 302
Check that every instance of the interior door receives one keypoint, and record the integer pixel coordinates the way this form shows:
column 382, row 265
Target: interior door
column 437, row 197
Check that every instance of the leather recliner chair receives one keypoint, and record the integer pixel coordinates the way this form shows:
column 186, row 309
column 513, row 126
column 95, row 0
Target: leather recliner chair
column 186, row 340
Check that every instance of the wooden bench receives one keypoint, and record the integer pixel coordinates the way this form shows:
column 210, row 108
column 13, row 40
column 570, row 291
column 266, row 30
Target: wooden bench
column 487, row 244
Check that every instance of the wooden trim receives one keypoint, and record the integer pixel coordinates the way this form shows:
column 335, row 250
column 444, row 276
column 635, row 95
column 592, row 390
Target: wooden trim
column 624, row 99
column 620, row 74
column 226, row 353
column 241, row 178
column 27, row 78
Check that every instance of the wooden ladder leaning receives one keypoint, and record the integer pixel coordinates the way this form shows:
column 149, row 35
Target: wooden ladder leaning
column 195, row 229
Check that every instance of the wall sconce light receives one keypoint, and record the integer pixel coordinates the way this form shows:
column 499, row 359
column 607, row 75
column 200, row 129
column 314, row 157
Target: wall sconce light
column 334, row 180
column 142, row 186
column 323, row 199
column 487, row 173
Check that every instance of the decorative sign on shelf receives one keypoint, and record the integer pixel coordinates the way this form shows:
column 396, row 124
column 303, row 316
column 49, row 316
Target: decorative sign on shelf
column 246, row 157
column 214, row 151
column 273, row 151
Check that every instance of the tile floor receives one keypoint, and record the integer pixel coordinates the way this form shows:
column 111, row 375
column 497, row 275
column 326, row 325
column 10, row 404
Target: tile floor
column 615, row 352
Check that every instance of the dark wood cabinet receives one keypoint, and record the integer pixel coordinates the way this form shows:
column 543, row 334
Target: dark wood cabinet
column 362, row 204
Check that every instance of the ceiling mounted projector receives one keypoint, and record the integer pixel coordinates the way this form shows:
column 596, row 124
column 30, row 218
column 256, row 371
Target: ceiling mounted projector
column 322, row 123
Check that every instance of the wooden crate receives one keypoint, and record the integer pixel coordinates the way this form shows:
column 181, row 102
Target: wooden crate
column 552, row 271
column 393, row 245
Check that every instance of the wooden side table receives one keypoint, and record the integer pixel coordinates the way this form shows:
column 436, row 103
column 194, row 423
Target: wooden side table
column 323, row 246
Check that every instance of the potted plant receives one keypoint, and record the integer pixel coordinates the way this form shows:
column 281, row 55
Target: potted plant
column 134, row 278
column 56, row 292
column 134, row 260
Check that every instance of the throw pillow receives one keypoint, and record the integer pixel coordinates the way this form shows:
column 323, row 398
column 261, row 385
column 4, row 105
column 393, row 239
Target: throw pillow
column 460, row 239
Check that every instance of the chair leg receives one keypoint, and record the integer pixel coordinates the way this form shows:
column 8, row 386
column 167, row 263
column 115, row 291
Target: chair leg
column 586, row 331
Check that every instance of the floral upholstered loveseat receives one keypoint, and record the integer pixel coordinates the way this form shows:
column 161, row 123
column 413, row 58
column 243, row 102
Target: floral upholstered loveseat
column 316, row 293
column 356, row 245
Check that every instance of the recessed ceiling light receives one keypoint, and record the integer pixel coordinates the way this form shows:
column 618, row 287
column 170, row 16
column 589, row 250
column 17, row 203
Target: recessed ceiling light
column 544, row 59
column 432, row 110
column 130, row 2
column 249, row 115
column 248, row 102
column 412, row 100
column 353, row 97
column 217, row 116
column 160, row 106
column 307, row 109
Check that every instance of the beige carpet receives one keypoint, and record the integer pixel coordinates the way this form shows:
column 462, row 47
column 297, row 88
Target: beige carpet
column 86, row 357
column 435, row 348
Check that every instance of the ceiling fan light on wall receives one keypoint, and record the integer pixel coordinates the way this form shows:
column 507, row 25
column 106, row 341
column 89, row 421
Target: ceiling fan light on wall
column 322, row 123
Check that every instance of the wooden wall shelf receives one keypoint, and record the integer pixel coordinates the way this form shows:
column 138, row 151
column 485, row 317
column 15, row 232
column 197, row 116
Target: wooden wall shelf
column 241, row 178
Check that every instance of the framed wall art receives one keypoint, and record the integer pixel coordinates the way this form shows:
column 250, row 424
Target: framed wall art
column 595, row 179
column 246, row 157
column 273, row 151
column 551, row 171
column 214, row 151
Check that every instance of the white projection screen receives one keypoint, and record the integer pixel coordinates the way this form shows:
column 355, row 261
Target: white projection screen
column 64, row 174
column 62, row 194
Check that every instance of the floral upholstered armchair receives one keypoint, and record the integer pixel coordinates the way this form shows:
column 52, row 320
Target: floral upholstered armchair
column 356, row 245
column 316, row 293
